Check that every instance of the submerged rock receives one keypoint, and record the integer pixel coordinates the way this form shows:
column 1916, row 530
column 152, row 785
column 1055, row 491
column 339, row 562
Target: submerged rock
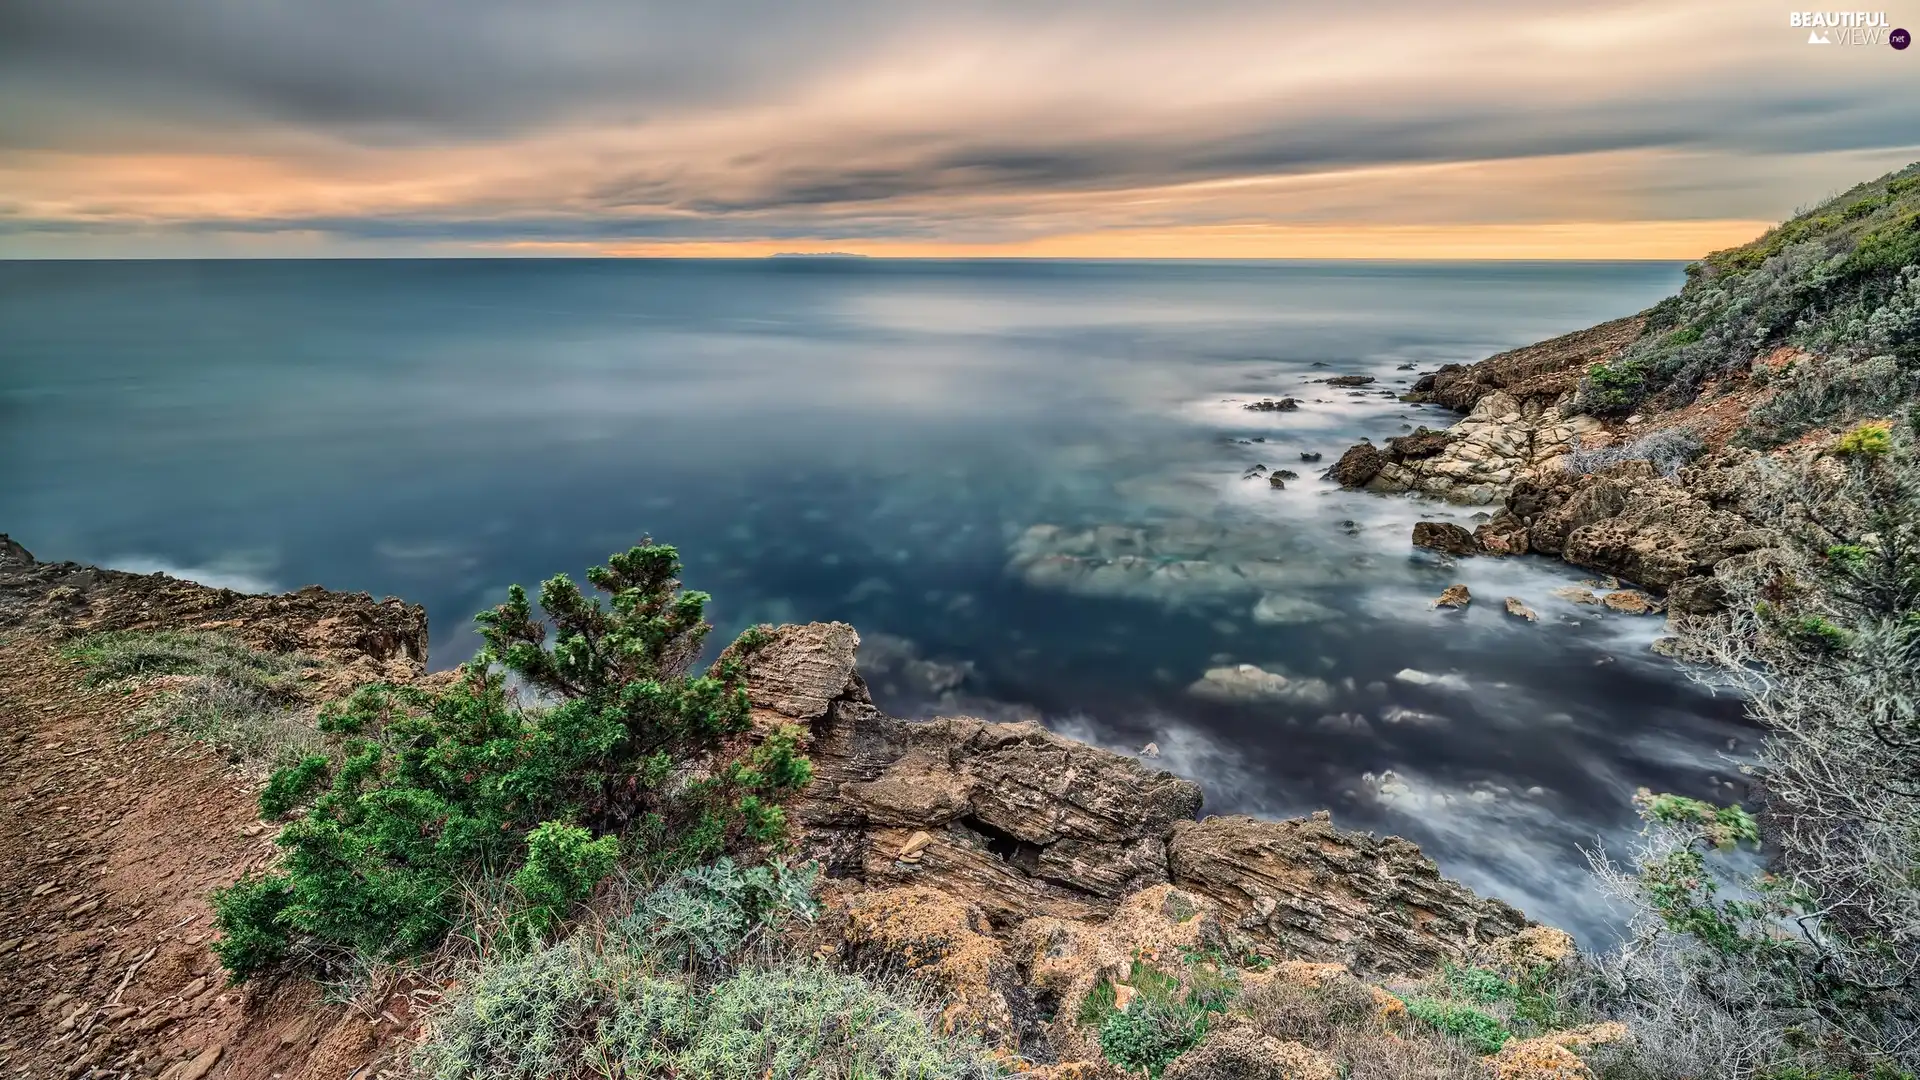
column 1453, row 596
column 1518, row 608
column 1281, row 608
column 1349, row 380
column 1285, row 404
column 1249, row 682
column 1416, row 677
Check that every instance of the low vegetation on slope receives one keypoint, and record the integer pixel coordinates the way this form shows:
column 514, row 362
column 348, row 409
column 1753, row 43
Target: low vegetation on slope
column 1837, row 287
column 689, row 982
column 237, row 698
column 1811, row 968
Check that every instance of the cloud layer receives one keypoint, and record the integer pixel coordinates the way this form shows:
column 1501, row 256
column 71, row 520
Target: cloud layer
column 1210, row 128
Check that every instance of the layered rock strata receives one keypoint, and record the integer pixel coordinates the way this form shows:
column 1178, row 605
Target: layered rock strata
column 1027, row 824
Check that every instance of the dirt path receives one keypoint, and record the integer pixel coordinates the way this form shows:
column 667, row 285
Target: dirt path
column 108, row 849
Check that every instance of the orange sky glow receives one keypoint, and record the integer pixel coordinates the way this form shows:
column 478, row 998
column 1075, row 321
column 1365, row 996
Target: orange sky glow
column 1219, row 130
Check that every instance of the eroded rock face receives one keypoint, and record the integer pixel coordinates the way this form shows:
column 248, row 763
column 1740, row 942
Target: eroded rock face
column 1520, row 417
column 1548, row 368
column 1330, row 895
column 1423, row 443
column 1477, row 460
column 1025, row 824
column 808, row 669
column 1629, row 521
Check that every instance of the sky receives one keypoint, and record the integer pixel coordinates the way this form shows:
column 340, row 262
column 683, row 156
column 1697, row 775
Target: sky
column 1111, row 128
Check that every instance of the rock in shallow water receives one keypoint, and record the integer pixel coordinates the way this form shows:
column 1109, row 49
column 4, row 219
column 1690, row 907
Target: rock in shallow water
column 1444, row 536
column 1453, row 596
column 1630, row 602
column 1360, row 464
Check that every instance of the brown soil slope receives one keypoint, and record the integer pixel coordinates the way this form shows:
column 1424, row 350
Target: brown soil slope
column 109, row 845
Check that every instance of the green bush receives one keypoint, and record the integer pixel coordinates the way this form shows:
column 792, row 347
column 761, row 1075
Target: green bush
column 564, row 863
column 1615, row 387
column 1477, row 984
column 291, row 786
column 623, row 752
column 1870, row 439
column 1724, row 827
column 1481, row 1031
column 370, row 705
column 250, row 911
column 1169, row 1014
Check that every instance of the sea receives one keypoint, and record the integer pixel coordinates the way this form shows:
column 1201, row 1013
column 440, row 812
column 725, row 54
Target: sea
column 1024, row 482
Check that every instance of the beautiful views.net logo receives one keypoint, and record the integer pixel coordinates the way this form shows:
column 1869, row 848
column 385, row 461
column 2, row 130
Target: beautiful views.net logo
column 1848, row 28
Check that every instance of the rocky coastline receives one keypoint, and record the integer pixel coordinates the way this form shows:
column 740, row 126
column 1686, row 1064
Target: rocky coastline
column 1012, row 866
column 1517, row 450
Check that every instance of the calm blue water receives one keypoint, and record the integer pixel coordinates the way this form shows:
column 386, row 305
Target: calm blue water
column 1020, row 480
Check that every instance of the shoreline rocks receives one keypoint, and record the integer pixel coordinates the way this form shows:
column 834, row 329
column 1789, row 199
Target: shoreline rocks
column 1664, row 533
column 1444, row 536
column 1025, row 824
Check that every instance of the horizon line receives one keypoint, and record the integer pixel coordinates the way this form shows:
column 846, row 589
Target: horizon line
column 852, row 259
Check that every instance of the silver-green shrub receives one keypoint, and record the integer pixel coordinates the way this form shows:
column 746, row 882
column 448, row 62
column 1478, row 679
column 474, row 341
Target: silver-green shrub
column 689, row 985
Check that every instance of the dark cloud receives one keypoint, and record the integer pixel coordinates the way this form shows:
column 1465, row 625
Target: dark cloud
column 610, row 119
column 403, row 71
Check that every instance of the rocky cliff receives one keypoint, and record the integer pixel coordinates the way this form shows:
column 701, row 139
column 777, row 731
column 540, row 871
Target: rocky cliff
column 1014, row 870
column 1027, row 824
column 1639, row 447
column 360, row 638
